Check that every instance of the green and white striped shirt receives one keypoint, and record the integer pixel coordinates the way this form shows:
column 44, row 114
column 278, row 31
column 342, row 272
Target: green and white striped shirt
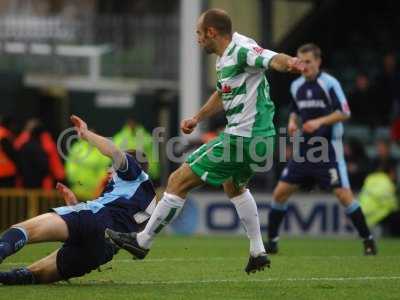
column 244, row 88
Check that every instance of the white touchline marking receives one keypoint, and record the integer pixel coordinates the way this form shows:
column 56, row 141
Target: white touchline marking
column 233, row 280
column 222, row 258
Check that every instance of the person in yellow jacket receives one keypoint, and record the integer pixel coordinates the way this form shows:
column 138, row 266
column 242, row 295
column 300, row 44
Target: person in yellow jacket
column 134, row 136
column 378, row 197
column 86, row 168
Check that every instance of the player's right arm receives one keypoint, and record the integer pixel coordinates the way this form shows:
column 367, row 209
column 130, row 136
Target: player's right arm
column 212, row 106
column 292, row 124
column 294, row 112
column 104, row 145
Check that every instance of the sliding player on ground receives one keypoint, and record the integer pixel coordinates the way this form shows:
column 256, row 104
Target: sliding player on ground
column 125, row 205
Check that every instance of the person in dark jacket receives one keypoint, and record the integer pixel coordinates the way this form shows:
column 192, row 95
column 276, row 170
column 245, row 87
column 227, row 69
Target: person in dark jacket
column 34, row 161
column 8, row 155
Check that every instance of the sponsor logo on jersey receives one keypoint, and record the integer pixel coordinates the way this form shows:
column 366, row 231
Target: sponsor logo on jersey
column 258, row 50
column 311, row 104
column 226, row 89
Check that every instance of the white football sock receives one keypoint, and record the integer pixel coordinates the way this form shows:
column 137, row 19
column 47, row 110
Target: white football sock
column 164, row 213
column 247, row 210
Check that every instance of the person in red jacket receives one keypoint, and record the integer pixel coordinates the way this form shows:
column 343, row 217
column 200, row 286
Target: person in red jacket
column 8, row 155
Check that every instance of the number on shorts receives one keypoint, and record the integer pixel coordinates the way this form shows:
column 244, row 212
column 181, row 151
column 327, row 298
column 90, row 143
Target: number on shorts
column 334, row 175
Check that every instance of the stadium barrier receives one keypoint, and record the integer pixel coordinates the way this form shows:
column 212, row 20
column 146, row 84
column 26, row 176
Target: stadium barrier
column 308, row 214
column 204, row 213
column 17, row 205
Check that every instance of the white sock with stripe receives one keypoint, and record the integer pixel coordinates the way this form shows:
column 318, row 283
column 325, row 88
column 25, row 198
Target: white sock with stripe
column 165, row 212
column 247, row 210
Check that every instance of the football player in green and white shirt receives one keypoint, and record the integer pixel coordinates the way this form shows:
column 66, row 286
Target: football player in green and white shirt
column 230, row 160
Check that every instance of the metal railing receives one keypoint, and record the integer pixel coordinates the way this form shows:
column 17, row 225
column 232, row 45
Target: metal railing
column 17, row 205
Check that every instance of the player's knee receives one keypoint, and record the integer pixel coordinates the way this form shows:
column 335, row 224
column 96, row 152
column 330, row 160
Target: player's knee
column 181, row 181
column 232, row 190
column 279, row 195
column 344, row 195
column 175, row 180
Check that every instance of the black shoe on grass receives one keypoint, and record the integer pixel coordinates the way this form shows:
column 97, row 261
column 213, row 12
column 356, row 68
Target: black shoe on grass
column 19, row 276
column 271, row 247
column 128, row 242
column 257, row 263
column 370, row 247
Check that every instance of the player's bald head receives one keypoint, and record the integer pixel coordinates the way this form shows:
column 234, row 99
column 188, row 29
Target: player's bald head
column 218, row 19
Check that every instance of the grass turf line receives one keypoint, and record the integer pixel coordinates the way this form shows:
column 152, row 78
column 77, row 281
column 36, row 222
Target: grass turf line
column 212, row 268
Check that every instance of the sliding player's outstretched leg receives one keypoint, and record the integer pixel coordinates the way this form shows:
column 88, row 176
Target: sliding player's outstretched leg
column 138, row 244
column 46, row 227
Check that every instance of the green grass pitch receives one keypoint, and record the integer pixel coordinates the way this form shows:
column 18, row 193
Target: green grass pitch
column 181, row 267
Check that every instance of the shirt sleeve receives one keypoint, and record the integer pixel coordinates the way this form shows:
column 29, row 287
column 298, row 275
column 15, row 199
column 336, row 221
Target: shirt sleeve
column 218, row 87
column 130, row 169
column 339, row 101
column 255, row 57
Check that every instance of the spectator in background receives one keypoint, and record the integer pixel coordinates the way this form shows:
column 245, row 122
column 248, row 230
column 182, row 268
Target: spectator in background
column 384, row 159
column 56, row 169
column 8, row 155
column 134, row 136
column 387, row 84
column 86, row 170
column 362, row 94
column 34, row 162
column 379, row 203
column 358, row 163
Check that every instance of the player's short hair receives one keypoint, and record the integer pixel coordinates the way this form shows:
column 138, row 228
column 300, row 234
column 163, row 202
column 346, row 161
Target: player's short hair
column 140, row 158
column 310, row 47
column 218, row 19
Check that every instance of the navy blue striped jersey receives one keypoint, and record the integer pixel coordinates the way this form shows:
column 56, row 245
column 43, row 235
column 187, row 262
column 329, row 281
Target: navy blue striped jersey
column 128, row 192
column 318, row 98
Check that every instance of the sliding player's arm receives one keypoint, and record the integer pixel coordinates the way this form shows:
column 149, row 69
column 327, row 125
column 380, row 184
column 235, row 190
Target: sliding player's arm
column 104, row 145
column 68, row 195
column 341, row 109
column 212, row 106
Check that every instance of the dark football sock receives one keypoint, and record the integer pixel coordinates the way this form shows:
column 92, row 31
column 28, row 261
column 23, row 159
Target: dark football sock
column 18, row 276
column 275, row 218
column 11, row 241
column 356, row 215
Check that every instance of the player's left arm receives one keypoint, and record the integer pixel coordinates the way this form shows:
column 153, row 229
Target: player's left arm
column 262, row 58
column 340, row 106
column 284, row 63
column 104, row 145
column 69, row 197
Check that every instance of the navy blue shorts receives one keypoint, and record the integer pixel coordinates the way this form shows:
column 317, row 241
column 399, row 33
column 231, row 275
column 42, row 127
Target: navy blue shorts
column 86, row 248
column 327, row 176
